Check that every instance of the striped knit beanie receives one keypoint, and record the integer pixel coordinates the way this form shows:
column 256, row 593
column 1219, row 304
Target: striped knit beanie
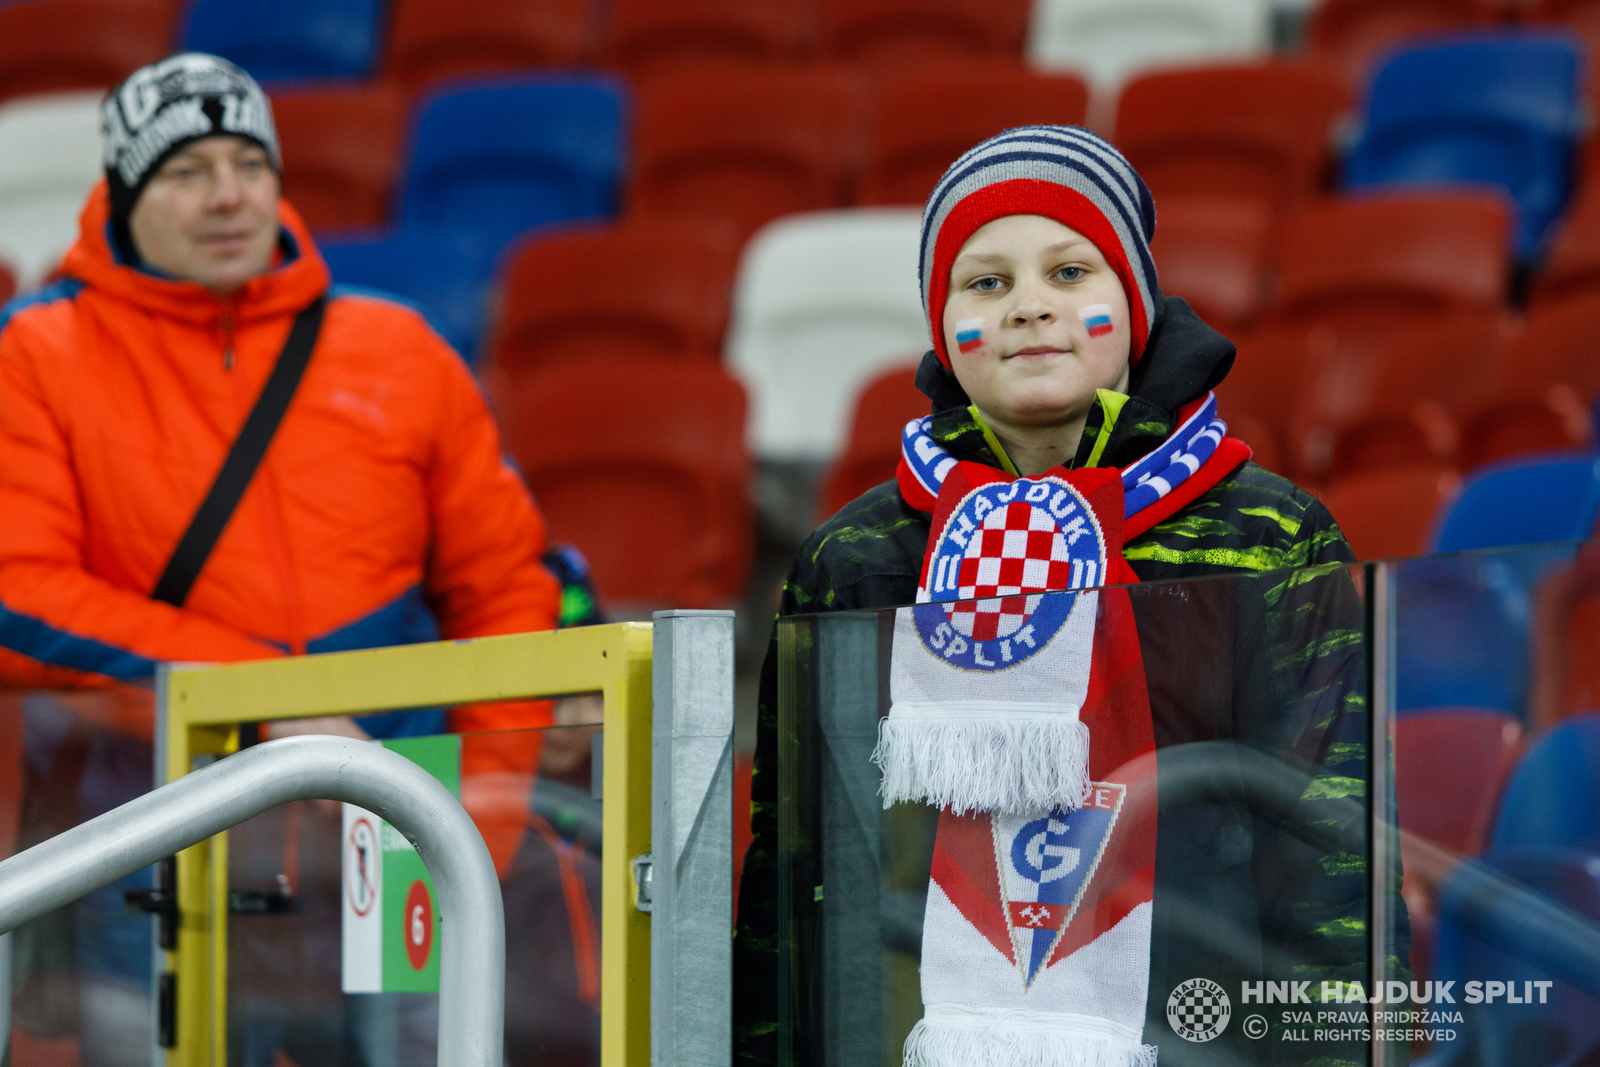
column 1064, row 173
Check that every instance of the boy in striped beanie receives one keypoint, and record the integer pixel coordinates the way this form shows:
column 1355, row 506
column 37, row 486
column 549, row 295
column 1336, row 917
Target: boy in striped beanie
column 1074, row 449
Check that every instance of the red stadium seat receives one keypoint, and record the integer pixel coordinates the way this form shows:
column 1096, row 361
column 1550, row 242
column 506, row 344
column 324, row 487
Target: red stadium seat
column 1389, row 513
column 1544, row 399
column 1258, row 131
column 920, row 120
column 576, row 296
column 341, row 151
column 1350, row 34
column 641, row 464
column 1213, row 253
column 884, row 407
column 1573, row 265
column 434, row 39
column 1450, row 765
column 50, row 46
column 1266, row 449
column 1256, row 396
column 884, row 32
column 1405, row 406
column 742, row 145
column 652, row 37
column 1565, row 675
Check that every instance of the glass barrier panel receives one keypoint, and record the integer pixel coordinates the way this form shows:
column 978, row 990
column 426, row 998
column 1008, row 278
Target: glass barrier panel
column 1145, row 807
column 83, row 990
column 1497, row 771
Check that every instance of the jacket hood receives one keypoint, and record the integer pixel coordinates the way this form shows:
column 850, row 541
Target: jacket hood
column 297, row 276
column 1183, row 359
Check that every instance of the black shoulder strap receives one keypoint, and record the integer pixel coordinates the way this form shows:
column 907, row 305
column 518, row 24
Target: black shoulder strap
column 243, row 458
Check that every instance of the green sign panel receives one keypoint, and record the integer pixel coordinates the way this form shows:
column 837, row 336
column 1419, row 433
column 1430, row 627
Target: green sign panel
column 390, row 929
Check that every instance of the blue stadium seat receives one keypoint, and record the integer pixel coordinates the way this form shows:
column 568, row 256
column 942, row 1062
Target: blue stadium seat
column 445, row 274
column 281, row 40
column 1553, row 798
column 499, row 156
column 1462, row 635
column 1524, row 502
column 1500, row 109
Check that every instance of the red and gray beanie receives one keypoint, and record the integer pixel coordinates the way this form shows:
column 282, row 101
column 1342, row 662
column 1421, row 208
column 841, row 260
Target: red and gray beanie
column 166, row 105
column 1064, row 173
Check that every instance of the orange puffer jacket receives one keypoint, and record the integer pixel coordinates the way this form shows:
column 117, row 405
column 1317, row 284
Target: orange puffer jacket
column 382, row 514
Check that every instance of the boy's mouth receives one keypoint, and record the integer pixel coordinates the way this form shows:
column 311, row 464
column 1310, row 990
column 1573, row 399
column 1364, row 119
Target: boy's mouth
column 1037, row 350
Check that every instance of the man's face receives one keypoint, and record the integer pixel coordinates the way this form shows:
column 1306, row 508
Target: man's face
column 1043, row 319
column 210, row 214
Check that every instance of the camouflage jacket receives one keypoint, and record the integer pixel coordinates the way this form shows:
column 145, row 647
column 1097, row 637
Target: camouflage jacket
column 1271, row 660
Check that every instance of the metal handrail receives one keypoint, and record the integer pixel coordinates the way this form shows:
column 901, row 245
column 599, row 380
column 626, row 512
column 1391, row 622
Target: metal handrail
column 232, row 790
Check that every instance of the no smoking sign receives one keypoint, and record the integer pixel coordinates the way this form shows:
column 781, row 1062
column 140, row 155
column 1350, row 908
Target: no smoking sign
column 390, row 927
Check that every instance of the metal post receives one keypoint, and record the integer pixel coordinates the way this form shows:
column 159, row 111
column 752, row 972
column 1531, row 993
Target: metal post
column 847, row 724
column 226, row 793
column 691, row 840
column 1381, row 633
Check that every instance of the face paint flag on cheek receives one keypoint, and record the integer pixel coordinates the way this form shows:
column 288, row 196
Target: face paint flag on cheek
column 1097, row 317
column 969, row 334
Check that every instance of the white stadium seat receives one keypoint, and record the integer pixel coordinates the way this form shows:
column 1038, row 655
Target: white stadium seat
column 1108, row 40
column 49, row 160
column 823, row 301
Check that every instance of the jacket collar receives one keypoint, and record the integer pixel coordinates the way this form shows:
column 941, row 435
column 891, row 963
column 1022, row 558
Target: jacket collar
column 1183, row 359
column 296, row 279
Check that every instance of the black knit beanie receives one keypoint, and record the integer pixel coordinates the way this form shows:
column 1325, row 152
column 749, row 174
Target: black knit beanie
column 162, row 107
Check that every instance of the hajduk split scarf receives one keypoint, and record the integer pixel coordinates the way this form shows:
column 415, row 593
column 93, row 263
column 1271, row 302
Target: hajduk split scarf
column 1019, row 708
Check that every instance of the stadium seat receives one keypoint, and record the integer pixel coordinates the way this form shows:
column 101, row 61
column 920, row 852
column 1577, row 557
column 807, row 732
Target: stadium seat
column 500, row 155
column 1526, row 502
column 1498, row 110
column 652, row 37
column 1350, row 34
column 920, row 120
column 888, row 402
column 49, row 160
column 1110, row 39
column 1553, row 798
column 1462, row 633
column 1266, row 447
column 823, row 301
column 1486, row 937
column 1266, row 375
column 577, row 295
column 279, row 40
column 641, row 464
column 445, row 274
column 1450, row 765
column 1213, row 253
column 1259, row 131
column 881, row 33
column 341, row 151
column 1566, row 672
column 1573, row 266
column 52, row 46
column 1408, row 404
column 1389, row 514
column 1543, row 401
column 435, row 39
column 742, row 145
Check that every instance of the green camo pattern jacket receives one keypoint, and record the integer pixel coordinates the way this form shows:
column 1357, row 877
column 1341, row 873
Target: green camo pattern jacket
column 1273, row 661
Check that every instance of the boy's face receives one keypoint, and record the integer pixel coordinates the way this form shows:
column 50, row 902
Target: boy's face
column 1035, row 322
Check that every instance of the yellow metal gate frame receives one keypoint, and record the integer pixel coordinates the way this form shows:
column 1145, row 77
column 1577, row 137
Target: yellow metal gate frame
column 199, row 709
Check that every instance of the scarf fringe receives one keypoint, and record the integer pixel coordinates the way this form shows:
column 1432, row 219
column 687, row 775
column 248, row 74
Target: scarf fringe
column 944, row 1044
column 1014, row 765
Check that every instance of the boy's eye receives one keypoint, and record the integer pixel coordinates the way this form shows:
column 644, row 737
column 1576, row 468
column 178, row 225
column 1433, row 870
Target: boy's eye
column 986, row 284
column 1070, row 274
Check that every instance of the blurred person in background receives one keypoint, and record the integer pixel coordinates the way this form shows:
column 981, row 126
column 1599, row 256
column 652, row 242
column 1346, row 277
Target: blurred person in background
column 1059, row 363
column 381, row 513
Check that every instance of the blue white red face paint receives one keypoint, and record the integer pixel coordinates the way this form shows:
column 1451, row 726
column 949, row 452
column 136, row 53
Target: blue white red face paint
column 1097, row 317
column 969, row 334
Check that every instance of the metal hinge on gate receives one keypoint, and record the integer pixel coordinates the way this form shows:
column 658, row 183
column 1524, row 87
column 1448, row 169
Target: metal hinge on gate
column 279, row 901
column 643, row 876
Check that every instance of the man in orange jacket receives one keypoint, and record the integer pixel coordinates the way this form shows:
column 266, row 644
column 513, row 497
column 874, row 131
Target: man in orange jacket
column 382, row 511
